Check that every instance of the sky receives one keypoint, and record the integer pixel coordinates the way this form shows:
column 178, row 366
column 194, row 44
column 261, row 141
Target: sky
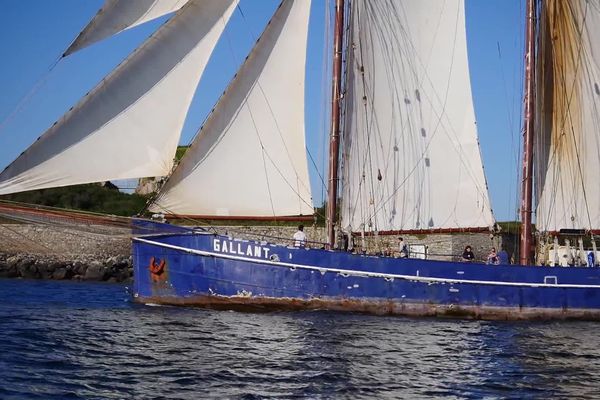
column 34, row 92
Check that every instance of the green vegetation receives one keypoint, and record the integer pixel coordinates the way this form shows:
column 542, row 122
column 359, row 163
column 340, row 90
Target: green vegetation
column 512, row 226
column 90, row 197
column 180, row 152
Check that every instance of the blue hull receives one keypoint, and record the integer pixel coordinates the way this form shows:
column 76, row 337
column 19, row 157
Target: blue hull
column 207, row 270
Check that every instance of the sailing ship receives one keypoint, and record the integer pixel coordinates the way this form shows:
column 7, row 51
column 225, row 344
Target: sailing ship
column 403, row 139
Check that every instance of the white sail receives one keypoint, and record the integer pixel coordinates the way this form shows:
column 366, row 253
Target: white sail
column 129, row 125
column 411, row 154
column 118, row 15
column 567, row 134
column 249, row 158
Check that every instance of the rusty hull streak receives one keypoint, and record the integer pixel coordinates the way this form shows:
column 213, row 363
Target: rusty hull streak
column 375, row 307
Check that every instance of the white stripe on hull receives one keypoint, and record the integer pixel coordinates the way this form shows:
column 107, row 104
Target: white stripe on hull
column 350, row 272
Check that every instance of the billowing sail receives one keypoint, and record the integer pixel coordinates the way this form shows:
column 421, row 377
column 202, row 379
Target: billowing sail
column 567, row 134
column 117, row 15
column 411, row 154
column 129, row 125
column 249, row 158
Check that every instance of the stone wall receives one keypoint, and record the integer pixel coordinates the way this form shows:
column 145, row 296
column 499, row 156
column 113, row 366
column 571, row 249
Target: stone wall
column 96, row 253
column 445, row 247
column 275, row 234
column 439, row 246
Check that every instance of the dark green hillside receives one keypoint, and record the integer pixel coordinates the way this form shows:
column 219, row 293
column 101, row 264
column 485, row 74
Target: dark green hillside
column 90, row 197
column 105, row 199
column 180, row 152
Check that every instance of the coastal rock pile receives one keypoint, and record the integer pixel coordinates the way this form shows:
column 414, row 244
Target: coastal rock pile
column 113, row 269
column 91, row 253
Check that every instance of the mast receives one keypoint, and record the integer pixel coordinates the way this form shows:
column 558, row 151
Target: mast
column 334, row 138
column 527, row 179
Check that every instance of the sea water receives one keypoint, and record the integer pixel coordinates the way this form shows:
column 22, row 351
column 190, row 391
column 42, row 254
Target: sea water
column 72, row 340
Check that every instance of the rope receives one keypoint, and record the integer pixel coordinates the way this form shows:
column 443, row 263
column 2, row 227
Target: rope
column 29, row 95
column 557, row 175
column 25, row 238
column 325, row 109
column 265, row 154
column 214, row 229
column 381, row 197
column 264, row 96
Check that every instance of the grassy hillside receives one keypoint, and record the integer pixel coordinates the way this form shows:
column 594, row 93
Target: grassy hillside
column 90, row 197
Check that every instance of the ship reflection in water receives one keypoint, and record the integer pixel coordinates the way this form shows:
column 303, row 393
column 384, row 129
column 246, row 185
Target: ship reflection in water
column 80, row 340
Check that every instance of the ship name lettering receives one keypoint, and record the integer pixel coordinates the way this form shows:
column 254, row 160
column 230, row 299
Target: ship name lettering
column 251, row 250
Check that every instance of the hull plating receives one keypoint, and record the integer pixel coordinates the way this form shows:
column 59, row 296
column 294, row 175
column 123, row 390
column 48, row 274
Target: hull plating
column 218, row 272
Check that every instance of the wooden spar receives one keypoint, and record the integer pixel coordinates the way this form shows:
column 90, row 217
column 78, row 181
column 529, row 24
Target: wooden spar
column 285, row 218
column 334, row 138
column 528, row 126
column 425, row 231
column 47, row 213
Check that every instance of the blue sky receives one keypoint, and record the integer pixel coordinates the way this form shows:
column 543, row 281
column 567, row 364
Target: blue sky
column 33, row 34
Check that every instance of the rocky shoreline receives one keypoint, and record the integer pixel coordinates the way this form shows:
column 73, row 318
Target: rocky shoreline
column 113, row 269
column 89, row 253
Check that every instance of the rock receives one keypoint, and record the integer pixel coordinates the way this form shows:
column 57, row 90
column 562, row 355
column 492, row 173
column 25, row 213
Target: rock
column 8, row 271
column 121, row 264
column 78, row 268
column 53, row 266
column 42, row 269
column 62, row 273
column 96, row 272
column 110, row 261
column 28, row 270
column 120, row 276
column 13, row 261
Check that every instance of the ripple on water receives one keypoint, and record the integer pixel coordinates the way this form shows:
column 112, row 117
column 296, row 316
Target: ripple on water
column 81, row 340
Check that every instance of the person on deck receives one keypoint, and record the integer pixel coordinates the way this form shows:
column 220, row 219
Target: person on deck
column 403, row 248
column 467, row 255
column 492, row 258
column 300, row 237
column 503, row 257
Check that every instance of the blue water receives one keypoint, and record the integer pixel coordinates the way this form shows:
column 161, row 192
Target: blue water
column 68, row 340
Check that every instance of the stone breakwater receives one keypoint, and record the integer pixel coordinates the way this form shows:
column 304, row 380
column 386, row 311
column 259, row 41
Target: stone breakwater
column 114, row 269
column 93, row 253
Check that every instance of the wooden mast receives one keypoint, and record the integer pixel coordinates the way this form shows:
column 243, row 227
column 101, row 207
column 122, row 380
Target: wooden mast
column 528, row 126
column 334, row 138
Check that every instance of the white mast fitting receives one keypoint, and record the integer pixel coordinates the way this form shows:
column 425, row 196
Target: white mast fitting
column 118, row 15
column 249, row 158
column 411, row 154
column 129, row 125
